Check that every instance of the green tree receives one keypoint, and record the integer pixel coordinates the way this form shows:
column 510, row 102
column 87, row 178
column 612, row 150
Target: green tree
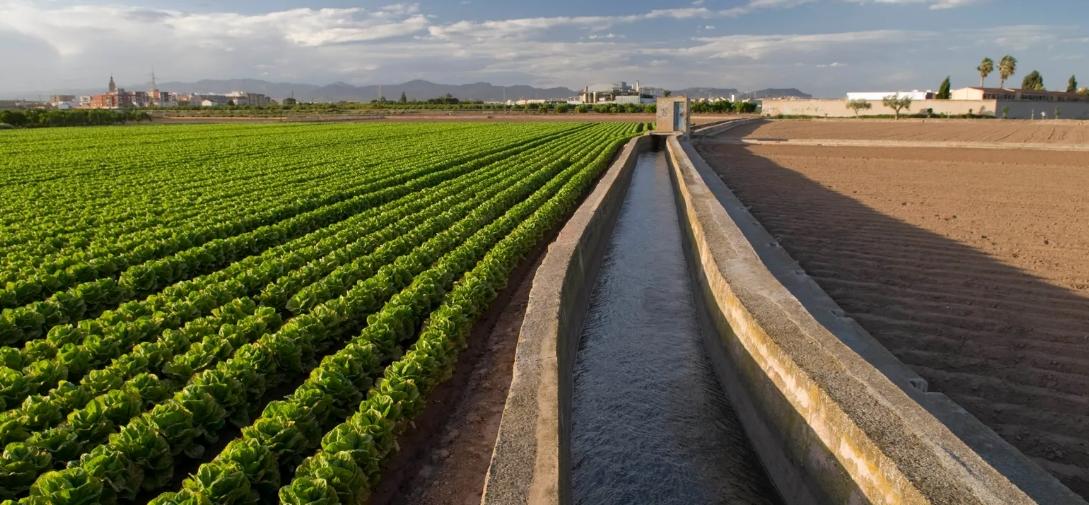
column 404, row 97
column 944, row 92
column 857, row 105
column 1033, row 81
column 667, row 93
column 897, row 103
column 985, row 68
column 1006, row 68
column 1072, row 84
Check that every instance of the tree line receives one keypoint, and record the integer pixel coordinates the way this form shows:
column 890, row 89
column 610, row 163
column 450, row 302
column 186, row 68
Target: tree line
column 1007, row 68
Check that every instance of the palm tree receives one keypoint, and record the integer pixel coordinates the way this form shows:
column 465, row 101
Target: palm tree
column 1006, row 68
column 985, row 68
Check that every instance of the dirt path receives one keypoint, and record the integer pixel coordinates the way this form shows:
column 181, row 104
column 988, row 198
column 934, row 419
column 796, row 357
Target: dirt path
column 972, row 266
column 918, row 144
column 444, row 458
column 934, row 130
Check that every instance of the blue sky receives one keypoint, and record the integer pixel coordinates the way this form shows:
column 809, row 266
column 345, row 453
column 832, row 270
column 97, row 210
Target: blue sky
column 825, row 47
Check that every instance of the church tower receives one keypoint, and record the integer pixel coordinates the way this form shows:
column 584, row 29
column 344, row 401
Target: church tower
column 153, row 91
column 113, row 87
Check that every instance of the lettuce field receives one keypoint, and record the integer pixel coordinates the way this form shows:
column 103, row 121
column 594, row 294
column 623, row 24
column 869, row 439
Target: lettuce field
column 220, row 314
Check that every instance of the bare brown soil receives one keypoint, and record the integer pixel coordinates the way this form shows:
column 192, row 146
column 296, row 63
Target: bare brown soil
column 946, row 130
column 972, row 266
column 444, row 457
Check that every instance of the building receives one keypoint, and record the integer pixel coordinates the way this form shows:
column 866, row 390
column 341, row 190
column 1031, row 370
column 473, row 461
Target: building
column 671, row 115
column 239, row 98
column 63, row 102
column 249, row 99
column 977, row 93
column 971, row 101
column 619, row 93
column 880, row 95
column 118, row 98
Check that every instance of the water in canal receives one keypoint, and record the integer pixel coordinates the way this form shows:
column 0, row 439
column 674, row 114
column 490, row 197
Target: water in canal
column 650, row 422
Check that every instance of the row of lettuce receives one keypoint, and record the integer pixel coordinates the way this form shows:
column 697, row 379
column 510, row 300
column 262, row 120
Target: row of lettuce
column 40, row 118
column 355, row 308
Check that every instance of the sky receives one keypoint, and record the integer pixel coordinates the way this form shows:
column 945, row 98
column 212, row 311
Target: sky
column 823, row 47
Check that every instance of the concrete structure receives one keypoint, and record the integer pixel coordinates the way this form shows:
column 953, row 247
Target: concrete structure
column 1012, row 109
column 672, row 115
column 532, row 449
column 834, row 417
column 1007, row 94
column 239, row 98
column 63, row 102
column 880, row 95
column 619, row 93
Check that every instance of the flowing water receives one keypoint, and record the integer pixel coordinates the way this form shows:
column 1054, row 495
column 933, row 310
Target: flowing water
column 650, row 422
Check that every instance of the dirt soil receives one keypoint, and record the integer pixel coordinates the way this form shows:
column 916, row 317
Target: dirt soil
column 444, row 457
column 971, row 266
column 947, row 130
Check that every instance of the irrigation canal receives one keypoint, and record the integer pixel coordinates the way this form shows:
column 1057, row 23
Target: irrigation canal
column 650, row 422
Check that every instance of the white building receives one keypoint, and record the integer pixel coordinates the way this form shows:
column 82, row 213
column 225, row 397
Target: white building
column 880, row 95
column 619, row 93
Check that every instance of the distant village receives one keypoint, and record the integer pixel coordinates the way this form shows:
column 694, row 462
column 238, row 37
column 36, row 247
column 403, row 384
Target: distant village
column 619, row 94
column 120, row 98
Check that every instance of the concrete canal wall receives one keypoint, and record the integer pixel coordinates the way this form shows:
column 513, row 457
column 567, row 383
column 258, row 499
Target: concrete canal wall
column 833, row 416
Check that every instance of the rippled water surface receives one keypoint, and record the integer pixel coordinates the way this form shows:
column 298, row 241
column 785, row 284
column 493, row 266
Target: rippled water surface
column 650, row 422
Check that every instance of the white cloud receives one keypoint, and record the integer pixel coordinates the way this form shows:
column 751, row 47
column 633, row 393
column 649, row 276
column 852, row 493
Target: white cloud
column 758, row 47
column 71, row 30
column 931, row 4
column 47, row 46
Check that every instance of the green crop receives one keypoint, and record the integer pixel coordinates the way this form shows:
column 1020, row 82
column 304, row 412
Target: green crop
column 298, row 287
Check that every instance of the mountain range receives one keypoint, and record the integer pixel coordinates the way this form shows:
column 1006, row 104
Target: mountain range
column 415, row 89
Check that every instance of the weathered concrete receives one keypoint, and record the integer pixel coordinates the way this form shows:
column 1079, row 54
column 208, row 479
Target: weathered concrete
column 1012, row 109
column 531, row 454
column 918, row 144
column 835, row 418
column 670, row 120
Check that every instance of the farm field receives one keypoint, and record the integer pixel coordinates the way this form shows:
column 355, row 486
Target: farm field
column 971, row 266
column 253, row 313
column 946, row 130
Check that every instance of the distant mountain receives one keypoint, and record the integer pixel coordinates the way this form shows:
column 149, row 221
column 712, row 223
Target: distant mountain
column 777, row 93
column 706, row 92
column 416, row 90
column 341, row 91
column 727, row 92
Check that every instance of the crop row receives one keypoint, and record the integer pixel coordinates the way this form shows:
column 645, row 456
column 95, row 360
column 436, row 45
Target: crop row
column 355, row 306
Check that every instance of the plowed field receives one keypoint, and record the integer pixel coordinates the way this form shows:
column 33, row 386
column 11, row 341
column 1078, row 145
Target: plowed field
column 1039, row 132
column 972, row 266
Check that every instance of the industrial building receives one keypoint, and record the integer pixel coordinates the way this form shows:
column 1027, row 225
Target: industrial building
column 620, row 93
column 880, row 95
